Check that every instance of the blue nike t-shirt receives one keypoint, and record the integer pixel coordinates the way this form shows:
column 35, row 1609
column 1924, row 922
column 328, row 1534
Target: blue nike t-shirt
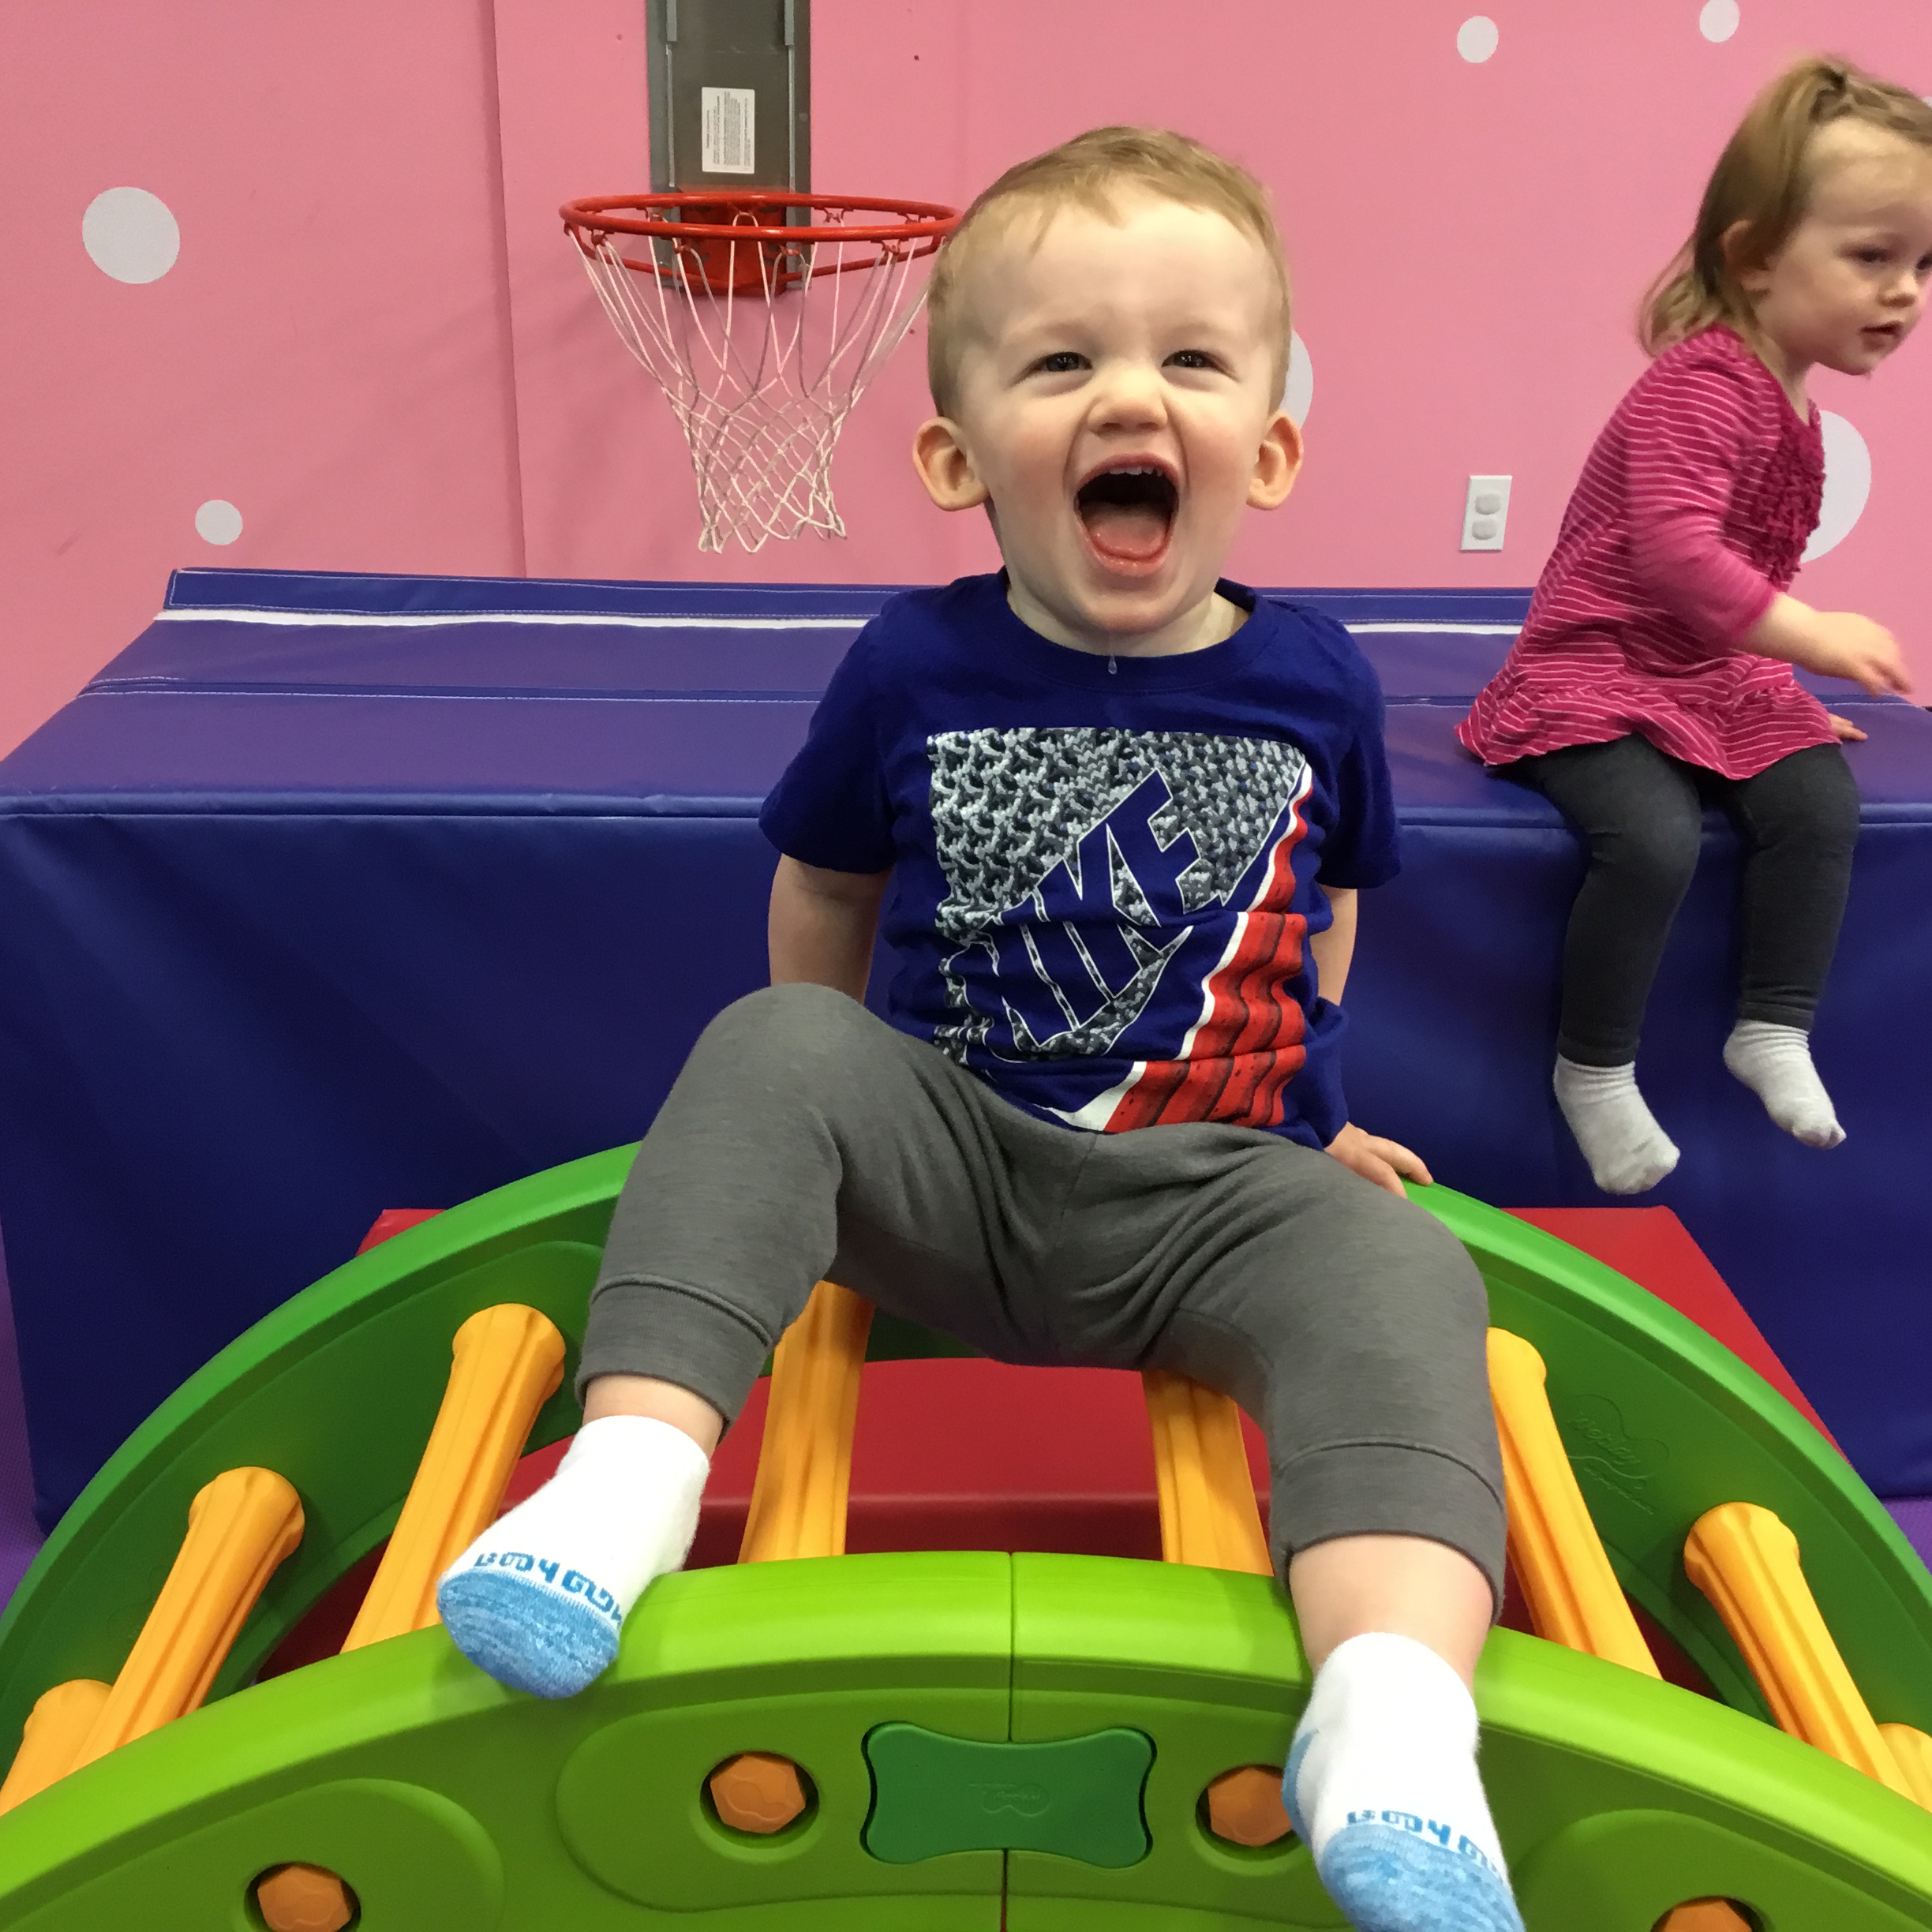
column 1105, row 871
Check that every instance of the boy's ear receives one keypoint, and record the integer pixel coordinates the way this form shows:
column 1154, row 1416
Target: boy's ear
column 945, row 466
column 1276, row 463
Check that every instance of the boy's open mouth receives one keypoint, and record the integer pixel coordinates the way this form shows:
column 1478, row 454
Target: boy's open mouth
column 1127, row 510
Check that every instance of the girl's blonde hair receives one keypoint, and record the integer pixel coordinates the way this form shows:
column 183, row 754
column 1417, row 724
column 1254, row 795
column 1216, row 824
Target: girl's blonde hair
column 1089, row 172
column 1764, row 178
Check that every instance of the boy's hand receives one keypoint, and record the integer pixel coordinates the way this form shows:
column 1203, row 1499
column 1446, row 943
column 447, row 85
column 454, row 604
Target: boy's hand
column 1382, row 1162
column 1845, row 732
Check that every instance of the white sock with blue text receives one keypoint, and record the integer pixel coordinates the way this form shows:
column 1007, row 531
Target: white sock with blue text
column 537, row 1600
column 1382, row 1786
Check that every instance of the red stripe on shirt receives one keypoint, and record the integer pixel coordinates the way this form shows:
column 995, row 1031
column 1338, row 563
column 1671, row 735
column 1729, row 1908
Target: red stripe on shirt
column 1246, row 1045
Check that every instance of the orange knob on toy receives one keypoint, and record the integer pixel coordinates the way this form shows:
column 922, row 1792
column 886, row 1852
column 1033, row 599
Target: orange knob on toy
column 1245, row 1806
column 240, row 1528
column 1704, row 1915
column 804, row 1471
column 1745, row 1560
column 758, row 1792
column 507, row 1363
column 1208, row 1516
column 304, row 1898
column 56, row 1728
column 1574, row 1596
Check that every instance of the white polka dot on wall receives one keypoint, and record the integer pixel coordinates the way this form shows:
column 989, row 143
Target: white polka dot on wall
column 1848, row 484
column 130, row 234
column 1478, row 37
column 1718, row 20
column 217, row 522
column 1298, row 392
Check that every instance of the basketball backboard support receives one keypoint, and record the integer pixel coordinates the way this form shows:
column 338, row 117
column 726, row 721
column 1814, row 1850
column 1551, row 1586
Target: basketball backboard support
column 730, row 94
column 762, row 309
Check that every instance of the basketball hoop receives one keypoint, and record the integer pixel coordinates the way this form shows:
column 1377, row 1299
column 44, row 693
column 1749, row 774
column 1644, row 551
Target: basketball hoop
column 762, row 315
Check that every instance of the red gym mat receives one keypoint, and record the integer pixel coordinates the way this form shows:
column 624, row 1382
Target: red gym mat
column 969, row 1454
column 958, row 1453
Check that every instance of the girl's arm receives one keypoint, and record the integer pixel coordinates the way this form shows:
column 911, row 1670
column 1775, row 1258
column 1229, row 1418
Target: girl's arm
column 1681, row 466
column 822, row 926
column 1680, row 470
column 1832, row 643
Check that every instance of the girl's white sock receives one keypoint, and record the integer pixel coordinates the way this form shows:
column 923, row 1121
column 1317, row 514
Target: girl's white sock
column 1628, row 1152
column 1382, row 1786
column 1775, row 1063
column 538, row 1599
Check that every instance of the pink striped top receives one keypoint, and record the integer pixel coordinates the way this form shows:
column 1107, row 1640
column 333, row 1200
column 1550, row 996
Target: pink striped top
column 1691, row 513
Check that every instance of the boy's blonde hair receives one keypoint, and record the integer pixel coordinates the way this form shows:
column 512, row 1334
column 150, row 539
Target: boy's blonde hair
column 1089, row 172
column 1764, row 178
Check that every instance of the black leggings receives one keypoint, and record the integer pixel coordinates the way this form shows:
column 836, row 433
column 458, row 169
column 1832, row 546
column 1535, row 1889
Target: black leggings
column 1642, row 812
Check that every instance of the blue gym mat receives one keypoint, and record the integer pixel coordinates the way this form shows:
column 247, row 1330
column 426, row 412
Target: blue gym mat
column 338, row 892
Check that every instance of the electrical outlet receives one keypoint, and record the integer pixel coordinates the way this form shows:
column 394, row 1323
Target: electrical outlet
column 1485, row 510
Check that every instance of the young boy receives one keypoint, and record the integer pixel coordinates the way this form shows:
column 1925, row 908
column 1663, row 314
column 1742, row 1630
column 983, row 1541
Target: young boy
column 1116, row 812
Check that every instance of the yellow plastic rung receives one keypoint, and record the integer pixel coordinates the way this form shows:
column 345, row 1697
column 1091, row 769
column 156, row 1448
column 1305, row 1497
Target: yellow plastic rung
column 506, row 1363
column 1911, row 1751
column 240, row 1528
column 1574, row 1596
column 56, row 1728
column 1745, row 1560
column 804, row 1472
column 1208, row 1516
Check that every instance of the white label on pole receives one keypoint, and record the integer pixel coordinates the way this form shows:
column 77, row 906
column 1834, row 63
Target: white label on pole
column 728, row 120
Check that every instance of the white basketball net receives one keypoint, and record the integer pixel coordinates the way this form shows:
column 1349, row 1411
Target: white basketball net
column 760, row 377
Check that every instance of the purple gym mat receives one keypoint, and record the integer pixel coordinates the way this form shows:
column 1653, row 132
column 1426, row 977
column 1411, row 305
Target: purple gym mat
column 1913, row 1514
column 19, row 1535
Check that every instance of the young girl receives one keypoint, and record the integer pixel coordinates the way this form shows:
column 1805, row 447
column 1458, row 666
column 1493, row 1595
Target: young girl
column 1653, row 672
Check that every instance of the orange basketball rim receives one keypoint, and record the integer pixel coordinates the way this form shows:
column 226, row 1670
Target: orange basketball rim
column 762, row 314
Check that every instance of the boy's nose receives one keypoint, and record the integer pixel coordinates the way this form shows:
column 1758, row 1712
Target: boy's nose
column 1130, row 396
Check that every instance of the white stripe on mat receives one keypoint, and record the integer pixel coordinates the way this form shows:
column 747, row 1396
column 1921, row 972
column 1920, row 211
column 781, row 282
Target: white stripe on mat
column 1460, row 630
column 423, row 620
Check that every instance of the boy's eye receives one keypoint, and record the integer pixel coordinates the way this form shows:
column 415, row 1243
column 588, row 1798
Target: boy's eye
column 1875, row 255
column 1061, row 362
column 1192, row 358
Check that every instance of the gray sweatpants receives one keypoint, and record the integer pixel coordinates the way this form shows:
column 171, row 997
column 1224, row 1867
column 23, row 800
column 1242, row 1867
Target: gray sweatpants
column 805, row 1138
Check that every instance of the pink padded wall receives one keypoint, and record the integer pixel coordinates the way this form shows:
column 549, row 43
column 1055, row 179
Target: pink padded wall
column 329, row 353
column 376, row 346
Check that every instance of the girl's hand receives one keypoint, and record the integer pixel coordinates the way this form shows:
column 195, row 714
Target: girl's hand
column 1843, row 644
column 1382, row 1162
column 1832, row 643
column 1846, row 731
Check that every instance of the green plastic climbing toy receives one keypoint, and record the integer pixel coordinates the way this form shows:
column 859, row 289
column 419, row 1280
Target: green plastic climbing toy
column 980, row 1739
